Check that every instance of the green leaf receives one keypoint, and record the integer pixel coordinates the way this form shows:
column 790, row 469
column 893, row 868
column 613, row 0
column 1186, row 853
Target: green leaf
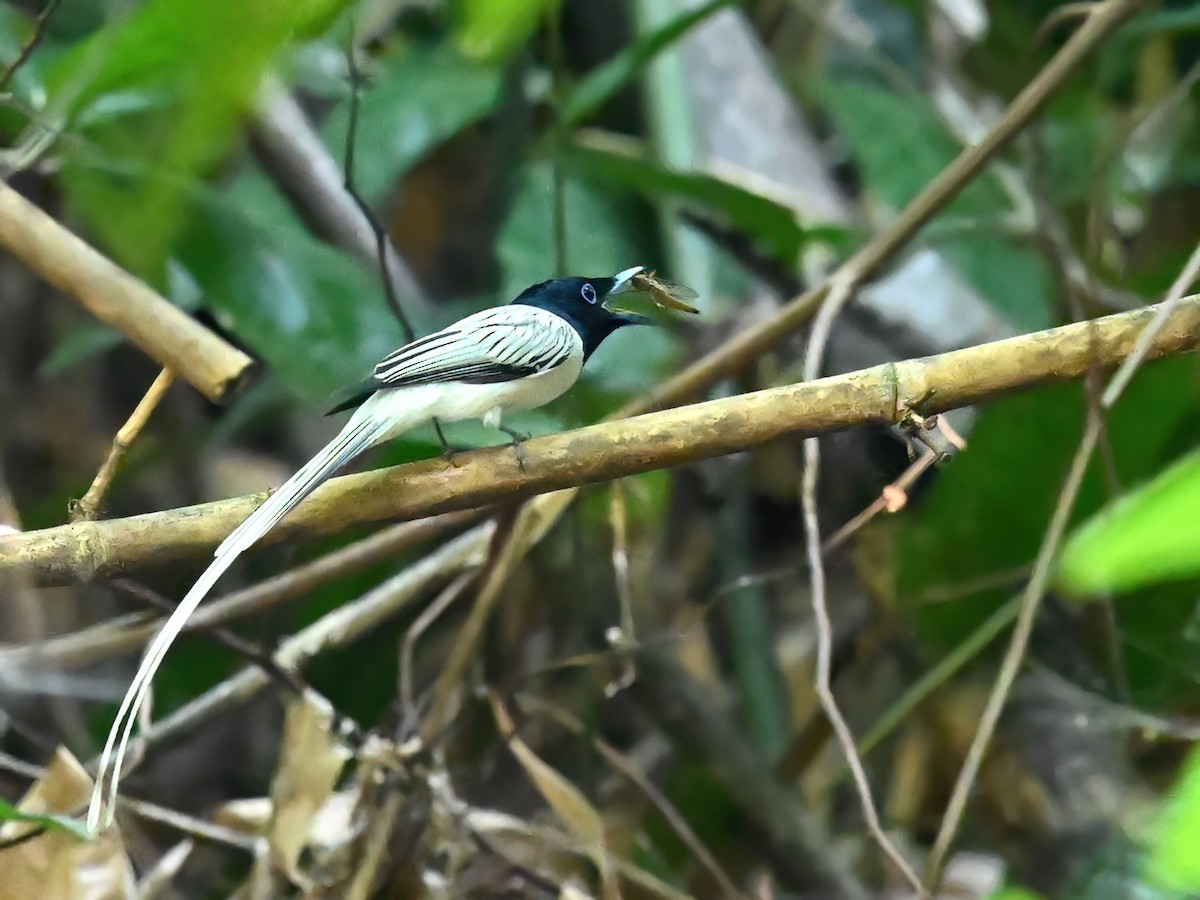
column 493, row 30
column 9, row 813
column 79, row 345
column 167, row 86
column 417, row 99
column 1172, row 862
column 1013, row 277
column 314, row 315
column 603, row 83
column 901, row 145
column 982, row 520
column 624, row 163
column 1150, row 535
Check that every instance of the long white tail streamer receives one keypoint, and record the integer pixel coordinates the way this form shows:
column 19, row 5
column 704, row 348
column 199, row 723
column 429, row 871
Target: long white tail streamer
column 361, row 432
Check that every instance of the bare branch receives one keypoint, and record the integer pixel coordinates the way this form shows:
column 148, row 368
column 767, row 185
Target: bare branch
column 87, row 550
column 164, row 332
column 89, row 505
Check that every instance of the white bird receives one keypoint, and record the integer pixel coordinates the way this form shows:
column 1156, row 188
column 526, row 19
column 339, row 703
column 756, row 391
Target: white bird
column 509, row 358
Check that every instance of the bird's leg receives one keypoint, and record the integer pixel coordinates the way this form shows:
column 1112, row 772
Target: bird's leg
column 449, row 451
column 517, row 438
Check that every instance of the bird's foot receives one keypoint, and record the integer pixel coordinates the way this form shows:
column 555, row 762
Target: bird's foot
column 517, row 438
column 449, row 451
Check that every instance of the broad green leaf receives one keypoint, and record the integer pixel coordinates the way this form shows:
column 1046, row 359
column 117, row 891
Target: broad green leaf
column 1173, row 862
column 901, row 145
column 314, row 315
column 602, row 84
column 9, row 813
column 493, row 30
column 1012, row 276
column 624, row 163
column 984, row 515
column 415, row 100
column 165, row 86
column 1151, row 534
column 78, row 345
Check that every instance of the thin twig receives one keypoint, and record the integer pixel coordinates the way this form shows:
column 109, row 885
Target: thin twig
column 381, row 237
column 39, row 31
column 838, row 296
column 885, row 500
column 342, row 626
column 383, row 244
column 1036, row 588
column 929, row 385
column 164, row 332
column 88, row 507
column 413, row 633
column 625, row 767
column 127, row 633
column 625, row 636
column 295, row 156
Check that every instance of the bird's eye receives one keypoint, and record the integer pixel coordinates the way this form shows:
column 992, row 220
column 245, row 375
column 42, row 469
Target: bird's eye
column 589, row 293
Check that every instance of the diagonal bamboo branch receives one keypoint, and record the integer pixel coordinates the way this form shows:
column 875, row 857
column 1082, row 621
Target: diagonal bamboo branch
column 748, row 345
column 86, row 550
column 164, row 332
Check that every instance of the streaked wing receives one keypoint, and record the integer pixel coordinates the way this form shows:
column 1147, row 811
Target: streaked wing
column 495, row 345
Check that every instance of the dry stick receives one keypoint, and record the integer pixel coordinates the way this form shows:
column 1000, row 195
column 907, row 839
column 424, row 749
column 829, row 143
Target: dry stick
column 39, row 31
column 384, row 251
column 1036, row 588
column 420, row 625
column 882, row 394
column 128, row 633
column 839, row 295
column 624, row 767
column 902, row 484
column 624, row 636
column 164, row 332
column 795, row 843
column 342, row 626
column 88, row 507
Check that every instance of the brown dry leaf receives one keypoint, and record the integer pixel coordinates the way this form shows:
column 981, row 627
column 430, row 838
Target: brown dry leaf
column 57, row 865
column 311, row 759
column 544, row 848
column 567, row 801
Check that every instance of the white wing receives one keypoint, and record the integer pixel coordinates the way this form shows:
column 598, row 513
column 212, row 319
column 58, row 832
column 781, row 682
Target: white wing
column 501, row 344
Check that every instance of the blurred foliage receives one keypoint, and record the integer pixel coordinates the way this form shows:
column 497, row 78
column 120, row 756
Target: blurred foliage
column 1151, row 534
column 478, row 118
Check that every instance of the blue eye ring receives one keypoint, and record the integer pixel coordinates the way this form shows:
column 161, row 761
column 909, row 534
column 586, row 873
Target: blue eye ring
column 588, row 293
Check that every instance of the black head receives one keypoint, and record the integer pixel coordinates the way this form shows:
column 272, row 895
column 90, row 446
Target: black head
column 584, row 303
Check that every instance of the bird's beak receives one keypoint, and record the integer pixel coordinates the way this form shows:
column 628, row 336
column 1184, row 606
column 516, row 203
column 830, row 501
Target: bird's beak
column 622, row 279
column 621, row 284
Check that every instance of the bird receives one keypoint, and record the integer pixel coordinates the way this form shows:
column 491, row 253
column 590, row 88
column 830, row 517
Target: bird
column 508, row 358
